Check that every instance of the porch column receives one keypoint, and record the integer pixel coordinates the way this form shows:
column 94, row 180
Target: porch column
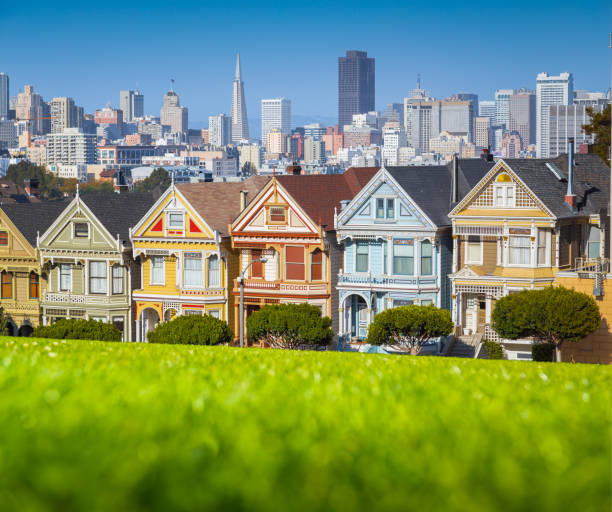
column 138, row 332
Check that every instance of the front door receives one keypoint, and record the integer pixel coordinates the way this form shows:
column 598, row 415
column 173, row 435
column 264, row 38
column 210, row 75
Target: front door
column 471, row 312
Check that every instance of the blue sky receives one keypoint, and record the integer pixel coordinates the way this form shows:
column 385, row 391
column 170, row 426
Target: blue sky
column 291, row 48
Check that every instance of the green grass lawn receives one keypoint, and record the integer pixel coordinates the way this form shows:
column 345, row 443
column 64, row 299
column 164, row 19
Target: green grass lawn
column 132, row 427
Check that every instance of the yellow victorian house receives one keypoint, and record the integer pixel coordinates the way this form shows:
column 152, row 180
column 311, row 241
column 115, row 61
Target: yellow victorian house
column 526, row 220
column 185, row 252
column 21, row 281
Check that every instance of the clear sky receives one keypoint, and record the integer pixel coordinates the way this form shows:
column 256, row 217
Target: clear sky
column 91, row 50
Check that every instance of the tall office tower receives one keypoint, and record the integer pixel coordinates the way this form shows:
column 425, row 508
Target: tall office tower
column 356, row 85
column 314, row 151
column 64, row 114
column 468, row 96
column 314, row 130
column 511, row 145
column 422, row 120
column 394, row 139
column 590, row 99
column 482, row 131
column 487, row 109
column 4, row 96
column 132, row 105
column 172, row 114
column 275, row 114
column 564, row 122
column 394, row 112
column 502, row 106
column 522, row 116
column 457, row 117
column 220, row 130
column 240, row 123
column 550, row 90
column 30, row 107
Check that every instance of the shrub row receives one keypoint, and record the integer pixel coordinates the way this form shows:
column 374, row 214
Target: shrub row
column 191, row 330
column 81, row 329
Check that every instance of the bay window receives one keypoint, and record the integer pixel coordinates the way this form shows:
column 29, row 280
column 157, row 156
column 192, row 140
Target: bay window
column 362, row 263
column 34, row 285
column 593, row 242
column 426, row 258
column 117, row 274
column 213, row 271
column 316, row 266
column 542, row 249
column 257, row 268
column 294, row 263
column 7, row 284
column 97, row 277
column 157, row 270
column 192, row 269
column 403, row 257
column 473, row 254
column 520, row 248
column 65, row 272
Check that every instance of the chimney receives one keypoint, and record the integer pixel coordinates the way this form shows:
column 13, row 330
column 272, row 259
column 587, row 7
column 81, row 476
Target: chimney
column 243, row 199
column 570, row 197
column 120, row 186
column 31, row 187
column 455, row 180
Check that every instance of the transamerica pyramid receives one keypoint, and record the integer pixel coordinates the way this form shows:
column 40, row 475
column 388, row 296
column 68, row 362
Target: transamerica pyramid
column 240, row 123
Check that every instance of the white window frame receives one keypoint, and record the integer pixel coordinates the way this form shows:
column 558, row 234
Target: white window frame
column 90, row 277
column 152, row 273
column 367, row 243
column 547, row 244
column 467, row 251
column 59, row 284
column 208, row 271
column 169, row 214
column 201, row 281
column 523, row 265
column 504, row 186
column 119, row 278
column 215, row 313
column 74, row 236
column 385, row 216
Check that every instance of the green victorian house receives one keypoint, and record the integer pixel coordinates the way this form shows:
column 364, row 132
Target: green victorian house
column 87, row 255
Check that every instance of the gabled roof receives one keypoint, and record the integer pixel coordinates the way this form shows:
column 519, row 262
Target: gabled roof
column 591, row 183
column 118, row 212
column 430, row 186
column 319, row 194
column 33, row 218
column 218, row 203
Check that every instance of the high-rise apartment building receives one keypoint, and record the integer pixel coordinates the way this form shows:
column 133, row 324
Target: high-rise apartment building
column 31, row 107
column 4, row 96
column 523, row 116
column 393, row 140
column 252, row 154
column 356, row 85
column 71, row 147
column 314, row 151
column 314, row 131
column 132, row 105
column 487, row 109
column 65, row 114
column 502, row 106
column 240, row 123
column 564, row 122
column 220, row 130
column 173, row 115
column 276, row 142
column 482, row 131
column 394, row 112
column 550, row 90
column 275, row 114
column 590, row 99
column 511, row 145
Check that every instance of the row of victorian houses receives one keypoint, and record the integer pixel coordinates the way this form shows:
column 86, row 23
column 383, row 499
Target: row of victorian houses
column 458, row 236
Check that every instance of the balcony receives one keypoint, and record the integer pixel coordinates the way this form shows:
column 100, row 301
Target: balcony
column 282, row 288
column 592, row 266
column 87, row 300
column 378, row 280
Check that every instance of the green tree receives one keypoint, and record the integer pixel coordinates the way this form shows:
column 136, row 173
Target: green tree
column 409, row 326
column 48, row 184
column 599, row 126
column 159, row 178
column 191, row 330
column 289, row 326
column 550, row 315
column 248, row 169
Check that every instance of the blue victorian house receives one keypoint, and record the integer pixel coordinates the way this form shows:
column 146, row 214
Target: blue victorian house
column 397, row 240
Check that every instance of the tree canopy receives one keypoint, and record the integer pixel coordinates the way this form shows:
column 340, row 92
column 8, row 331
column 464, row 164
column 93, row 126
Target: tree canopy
column 289, row 326
column 409, row 326
column 48, row 184
column 600, row 127
column 159, row 178
column 550, row 315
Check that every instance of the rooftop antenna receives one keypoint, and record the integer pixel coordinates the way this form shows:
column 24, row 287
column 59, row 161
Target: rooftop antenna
column 419, row 81
column 172, row 85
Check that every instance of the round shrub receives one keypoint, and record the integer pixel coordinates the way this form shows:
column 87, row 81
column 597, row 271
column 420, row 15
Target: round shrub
column 191, row 330
column 289, row 326
column 78, row 329
column 542, row 352
column 494, row 350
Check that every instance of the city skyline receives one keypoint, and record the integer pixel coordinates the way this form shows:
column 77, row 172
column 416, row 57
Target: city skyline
column 202, row 81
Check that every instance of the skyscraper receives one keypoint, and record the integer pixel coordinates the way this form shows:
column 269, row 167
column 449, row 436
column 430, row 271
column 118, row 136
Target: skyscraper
column 4, row 96
column 132, row 105
column 173, row 115
column 550, row 90
column 502, row 106
column 240, row 123
column 275, row 113
column 482, row 131
column 356, row 86
column 30, row 107
column 566, row 121
column 487, row 109
column 220, row 130
column 522, row 116
column 64, row 114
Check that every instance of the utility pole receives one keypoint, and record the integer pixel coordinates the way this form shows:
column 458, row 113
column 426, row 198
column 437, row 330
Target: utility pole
column 241, row 279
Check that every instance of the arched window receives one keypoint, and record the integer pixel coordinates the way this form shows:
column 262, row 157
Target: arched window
column 7, row 284
column 34, row 285
column 213, row 271
column 426, row 258
column 316, row 265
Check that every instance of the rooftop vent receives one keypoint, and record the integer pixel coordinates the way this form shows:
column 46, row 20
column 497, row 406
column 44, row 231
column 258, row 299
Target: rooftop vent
column 556, row 171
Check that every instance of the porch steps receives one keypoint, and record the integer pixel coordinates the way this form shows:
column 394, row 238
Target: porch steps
column 465, row 346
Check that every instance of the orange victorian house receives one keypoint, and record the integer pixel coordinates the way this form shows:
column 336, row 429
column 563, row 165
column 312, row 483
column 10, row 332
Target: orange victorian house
column 291, row 223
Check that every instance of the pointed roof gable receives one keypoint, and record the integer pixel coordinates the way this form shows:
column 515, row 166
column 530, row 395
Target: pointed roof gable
column 33, row 218
column 319, row 194
column 218, row 203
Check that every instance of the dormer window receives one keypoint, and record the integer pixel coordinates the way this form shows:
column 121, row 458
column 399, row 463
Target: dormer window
column 81, row 230
column 175, row 220
column 385, row 208
column 504, row 192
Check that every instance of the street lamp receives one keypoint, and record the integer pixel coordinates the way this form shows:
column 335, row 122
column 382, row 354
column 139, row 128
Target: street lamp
column 241, row 281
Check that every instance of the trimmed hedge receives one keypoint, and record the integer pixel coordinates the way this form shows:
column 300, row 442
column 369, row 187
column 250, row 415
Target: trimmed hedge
column 289, row 326
column 494, row 350
column 542, row 352
column 78, row 329
column 191, row 330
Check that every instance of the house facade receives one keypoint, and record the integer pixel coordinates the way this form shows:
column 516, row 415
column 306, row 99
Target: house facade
column 87, row 256
column 22, row 282
column 185, row 254
column 517, row 228
column 290, row 222
column 397, row 242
